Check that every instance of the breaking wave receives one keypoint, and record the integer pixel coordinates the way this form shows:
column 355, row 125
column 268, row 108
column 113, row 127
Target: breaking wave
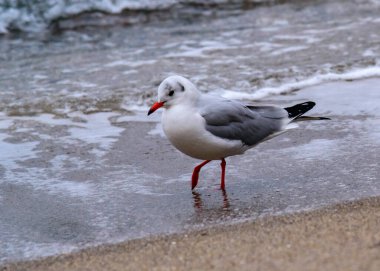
column 37, row 15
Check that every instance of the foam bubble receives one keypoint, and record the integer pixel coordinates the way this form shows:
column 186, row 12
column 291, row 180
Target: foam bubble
column 315, row 80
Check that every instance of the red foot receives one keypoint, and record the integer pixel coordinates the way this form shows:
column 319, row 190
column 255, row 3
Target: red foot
column 194, row 178
column 223, row 165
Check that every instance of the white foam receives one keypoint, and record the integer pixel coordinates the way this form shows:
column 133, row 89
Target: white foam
column 157, row 130
column 44, row 118
column 369, row 53
column 5, row 123
column 72, row 188
column 338, row 46
column 307, row 38
column 315, row 80
column 12, row 153
column 133, row 64
column 288, row 50
column 129, row 72
column 135, row 107
column 40, row 76
column 85, row 84
column 82, row 84
column 267, row 46
column 97, row 129
column 139, row 117
column 189, row 51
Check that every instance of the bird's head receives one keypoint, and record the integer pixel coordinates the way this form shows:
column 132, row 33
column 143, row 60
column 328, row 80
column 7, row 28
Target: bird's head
column 174, row 90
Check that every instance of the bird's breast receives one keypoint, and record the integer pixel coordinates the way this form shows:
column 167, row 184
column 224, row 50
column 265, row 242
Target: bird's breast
column 185, row 129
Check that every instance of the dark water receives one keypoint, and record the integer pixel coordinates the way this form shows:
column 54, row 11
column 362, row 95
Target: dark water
column 78, row 159
column 111, row 68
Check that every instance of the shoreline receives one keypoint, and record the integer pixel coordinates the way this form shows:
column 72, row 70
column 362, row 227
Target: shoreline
column 344, row 236
column 82, row 166
column 132, row 194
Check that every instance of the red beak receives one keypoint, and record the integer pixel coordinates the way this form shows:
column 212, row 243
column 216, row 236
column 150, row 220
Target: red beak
column 155, row 106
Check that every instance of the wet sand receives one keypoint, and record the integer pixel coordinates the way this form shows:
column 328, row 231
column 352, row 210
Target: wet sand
column 128, row 194
column 341, row 237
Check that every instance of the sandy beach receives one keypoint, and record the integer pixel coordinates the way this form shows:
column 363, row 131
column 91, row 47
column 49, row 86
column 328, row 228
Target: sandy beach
column 342, row 237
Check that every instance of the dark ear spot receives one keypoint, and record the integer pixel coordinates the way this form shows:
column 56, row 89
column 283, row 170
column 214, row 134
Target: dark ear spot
column 182, row 87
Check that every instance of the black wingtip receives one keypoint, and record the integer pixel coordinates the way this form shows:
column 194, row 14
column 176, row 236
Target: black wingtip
column 301, row 118
column 299, row 109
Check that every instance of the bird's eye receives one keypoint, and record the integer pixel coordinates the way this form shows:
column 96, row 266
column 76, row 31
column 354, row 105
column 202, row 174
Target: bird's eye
column 171, row 93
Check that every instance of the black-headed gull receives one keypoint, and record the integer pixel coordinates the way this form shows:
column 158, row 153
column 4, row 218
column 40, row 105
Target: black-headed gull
column 212, row 128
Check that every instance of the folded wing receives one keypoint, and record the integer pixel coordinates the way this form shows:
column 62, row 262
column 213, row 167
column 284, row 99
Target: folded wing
column 250, row 124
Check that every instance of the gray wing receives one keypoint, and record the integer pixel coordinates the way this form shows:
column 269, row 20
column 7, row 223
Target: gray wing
column 250, row 124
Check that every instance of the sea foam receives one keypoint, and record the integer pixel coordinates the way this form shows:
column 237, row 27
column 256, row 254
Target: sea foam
column 312, row 81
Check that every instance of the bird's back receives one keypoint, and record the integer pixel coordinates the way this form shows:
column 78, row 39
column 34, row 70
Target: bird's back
column 250, row 124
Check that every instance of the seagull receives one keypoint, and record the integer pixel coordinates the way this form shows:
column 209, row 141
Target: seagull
column 209, row 127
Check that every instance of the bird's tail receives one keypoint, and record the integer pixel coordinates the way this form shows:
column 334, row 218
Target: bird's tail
column 296, row 112
column 303, row 118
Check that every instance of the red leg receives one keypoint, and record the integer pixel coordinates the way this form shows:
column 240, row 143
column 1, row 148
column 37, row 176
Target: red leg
column 223, row 165
column 194, row 178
